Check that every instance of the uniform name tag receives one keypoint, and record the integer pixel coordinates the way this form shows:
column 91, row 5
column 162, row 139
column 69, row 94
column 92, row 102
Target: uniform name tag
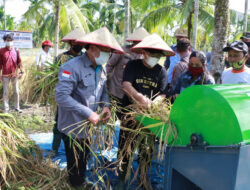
column 66, row 74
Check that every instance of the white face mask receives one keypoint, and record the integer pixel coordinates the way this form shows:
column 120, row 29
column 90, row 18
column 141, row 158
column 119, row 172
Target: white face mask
column 102, row 59
column 9, row 44
column 152, row 61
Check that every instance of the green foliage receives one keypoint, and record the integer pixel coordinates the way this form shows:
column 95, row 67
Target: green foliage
column 10, row 24
column 40, row 18
column 161, row 16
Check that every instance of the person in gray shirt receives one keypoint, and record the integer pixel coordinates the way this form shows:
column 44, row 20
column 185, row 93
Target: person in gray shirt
column 80, row 90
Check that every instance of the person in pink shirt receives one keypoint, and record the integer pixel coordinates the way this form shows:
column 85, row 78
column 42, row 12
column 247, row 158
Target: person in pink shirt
column 11, row 67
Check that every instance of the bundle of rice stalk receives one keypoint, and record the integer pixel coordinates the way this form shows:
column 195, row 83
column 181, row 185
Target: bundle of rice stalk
column 21, row 162
column 44, row 85
column 26, row 84
column 140, row 137
column 100, row 139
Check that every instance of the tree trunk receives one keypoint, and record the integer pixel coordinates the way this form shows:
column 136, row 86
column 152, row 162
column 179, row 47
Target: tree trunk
column 127, row 19
column 245, row 16
column 196, row 14
column 114, row 21
column 57, row 6
column 189, row 24
column 4, row 12
column 221, row 24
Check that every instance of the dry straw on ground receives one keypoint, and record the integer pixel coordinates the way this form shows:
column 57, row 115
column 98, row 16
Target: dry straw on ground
column 21, row 161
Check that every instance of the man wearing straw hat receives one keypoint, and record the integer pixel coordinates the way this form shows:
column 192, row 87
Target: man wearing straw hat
column 75, row 50
column 170, row 62
column 81, row 89
column 117, row 63
column 143, row 81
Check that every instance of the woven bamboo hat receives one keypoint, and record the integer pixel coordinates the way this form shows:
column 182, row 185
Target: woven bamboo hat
column 138, row 35
column 73, row 35
column 103, row 38
column 153, row 42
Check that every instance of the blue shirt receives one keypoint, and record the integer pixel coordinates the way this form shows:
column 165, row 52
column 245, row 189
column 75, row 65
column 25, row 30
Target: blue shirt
column 170, row 62
column 80, row 90
column 186, row 80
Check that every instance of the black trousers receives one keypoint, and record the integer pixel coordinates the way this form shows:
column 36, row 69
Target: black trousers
column 57, row 137
column 76, row 163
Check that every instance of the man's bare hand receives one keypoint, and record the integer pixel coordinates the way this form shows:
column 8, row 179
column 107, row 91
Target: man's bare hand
column 106, row 114
column 145, row 102
column 94, row 118
column 20, row 74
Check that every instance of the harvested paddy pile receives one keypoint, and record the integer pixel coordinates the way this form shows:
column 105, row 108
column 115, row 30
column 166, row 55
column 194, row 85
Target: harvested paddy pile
column 22, row 163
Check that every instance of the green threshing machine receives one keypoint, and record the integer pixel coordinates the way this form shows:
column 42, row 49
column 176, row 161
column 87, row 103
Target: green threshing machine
column 212, row 150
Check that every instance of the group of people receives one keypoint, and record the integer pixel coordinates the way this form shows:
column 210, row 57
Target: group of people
column 130, row 74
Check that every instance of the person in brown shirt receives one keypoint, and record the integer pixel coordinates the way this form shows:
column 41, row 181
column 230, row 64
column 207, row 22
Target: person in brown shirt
column 115, row 68
column 117, row 64
column 184, row 50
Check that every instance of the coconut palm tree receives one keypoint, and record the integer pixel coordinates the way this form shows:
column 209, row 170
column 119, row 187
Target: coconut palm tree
column 105, row 13
column 9, row 20
column 221, row 25
column 245, row 16
column 53, row 18
column 127, row 19
column 164, row 16
column 196, row 14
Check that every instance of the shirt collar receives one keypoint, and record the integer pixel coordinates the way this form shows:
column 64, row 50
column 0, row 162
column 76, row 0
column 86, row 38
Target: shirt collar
column 8, row 49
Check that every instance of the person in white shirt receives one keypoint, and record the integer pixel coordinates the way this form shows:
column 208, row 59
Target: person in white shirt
column 238, row 73
column 44, row 57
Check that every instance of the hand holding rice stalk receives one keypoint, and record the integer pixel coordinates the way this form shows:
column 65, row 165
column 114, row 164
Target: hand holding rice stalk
column 99, row 140
column 140, row 137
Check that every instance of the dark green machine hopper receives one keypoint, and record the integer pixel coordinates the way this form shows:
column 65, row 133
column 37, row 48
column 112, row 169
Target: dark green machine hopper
column 220, row 113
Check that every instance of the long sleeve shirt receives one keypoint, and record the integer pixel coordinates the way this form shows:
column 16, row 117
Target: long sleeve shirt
column 10, row 61
column 179, row 68
column 80, row 90
column 43, row 58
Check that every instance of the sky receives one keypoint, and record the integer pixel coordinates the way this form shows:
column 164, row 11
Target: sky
column 17, row 8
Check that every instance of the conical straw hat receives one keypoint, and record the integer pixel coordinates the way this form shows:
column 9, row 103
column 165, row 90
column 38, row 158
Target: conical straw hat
column 153, row 42
column 138, row 35
column 73, row 35
column 101, row 37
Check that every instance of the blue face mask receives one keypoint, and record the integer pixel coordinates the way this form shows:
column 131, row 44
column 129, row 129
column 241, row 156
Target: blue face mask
column 102, row 59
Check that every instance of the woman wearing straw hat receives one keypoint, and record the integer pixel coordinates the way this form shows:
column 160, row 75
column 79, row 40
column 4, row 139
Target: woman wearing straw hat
column 74, row 51
column 143, row 80
column 117, row 63
column 81, row 89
